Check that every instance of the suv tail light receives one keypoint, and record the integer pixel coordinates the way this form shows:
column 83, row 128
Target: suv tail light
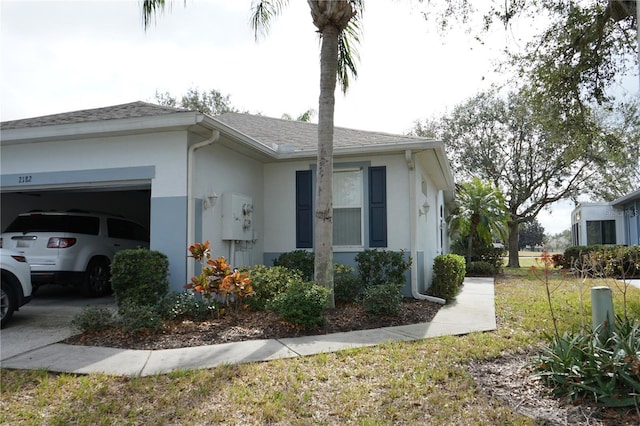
column 58, row 242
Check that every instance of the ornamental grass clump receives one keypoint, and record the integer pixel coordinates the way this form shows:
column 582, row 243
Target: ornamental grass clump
column 581, row 364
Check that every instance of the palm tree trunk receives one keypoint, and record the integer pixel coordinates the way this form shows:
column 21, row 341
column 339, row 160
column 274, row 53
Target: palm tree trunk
column 514, row 239
column 324, row 197
column 473, row 229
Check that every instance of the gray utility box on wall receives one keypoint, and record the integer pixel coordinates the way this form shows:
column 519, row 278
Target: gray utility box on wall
column 237, row 217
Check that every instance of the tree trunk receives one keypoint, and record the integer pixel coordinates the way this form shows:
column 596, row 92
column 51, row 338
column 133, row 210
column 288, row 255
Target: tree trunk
column 514, row 235
column 324, row 197
column 473, row 229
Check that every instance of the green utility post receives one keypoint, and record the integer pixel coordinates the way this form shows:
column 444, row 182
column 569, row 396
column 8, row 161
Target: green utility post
column 602, row 311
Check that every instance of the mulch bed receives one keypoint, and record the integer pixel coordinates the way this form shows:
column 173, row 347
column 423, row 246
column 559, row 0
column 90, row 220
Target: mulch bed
column 251, row 325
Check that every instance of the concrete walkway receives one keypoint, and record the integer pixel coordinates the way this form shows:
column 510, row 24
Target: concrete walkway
column 473, row 310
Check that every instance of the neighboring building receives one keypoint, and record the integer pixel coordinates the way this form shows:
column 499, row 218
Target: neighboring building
column 243, row 182
column 616, row 222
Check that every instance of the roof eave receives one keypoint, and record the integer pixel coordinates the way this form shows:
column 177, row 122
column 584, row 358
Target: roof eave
column 361, row 150
column 115, row 127
column 635, row 195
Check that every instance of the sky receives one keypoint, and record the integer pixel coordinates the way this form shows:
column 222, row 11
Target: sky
column 60, row 56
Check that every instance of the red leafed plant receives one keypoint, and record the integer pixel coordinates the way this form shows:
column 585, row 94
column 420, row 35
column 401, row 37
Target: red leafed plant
column 218, row 282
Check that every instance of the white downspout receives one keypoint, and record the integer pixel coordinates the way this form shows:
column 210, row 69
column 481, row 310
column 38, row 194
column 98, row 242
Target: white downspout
column 413, row 226
column 215, row 135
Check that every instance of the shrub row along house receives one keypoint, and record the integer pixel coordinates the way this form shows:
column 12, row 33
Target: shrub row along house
column 244, row 182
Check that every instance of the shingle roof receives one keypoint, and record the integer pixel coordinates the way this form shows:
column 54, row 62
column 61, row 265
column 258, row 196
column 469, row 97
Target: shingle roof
column 296, row 134
column 303, row 135
column 133, row 109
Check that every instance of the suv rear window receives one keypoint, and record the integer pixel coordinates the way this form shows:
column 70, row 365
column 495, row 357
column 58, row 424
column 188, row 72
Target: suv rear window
column 55, row 223
column 124, row 229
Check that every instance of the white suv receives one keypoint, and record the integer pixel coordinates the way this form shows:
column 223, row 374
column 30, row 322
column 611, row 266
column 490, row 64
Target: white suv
column 74, row 247
column 15, row 289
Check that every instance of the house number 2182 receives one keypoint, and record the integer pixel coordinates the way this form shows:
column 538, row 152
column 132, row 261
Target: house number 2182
column 24, row 179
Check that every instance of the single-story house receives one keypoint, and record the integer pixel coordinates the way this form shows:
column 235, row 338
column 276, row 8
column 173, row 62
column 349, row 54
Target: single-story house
column 615, row 222
column 243, row 182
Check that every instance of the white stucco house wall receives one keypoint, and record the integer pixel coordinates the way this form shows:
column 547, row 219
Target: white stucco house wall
column 615, row 222
column 243, row 182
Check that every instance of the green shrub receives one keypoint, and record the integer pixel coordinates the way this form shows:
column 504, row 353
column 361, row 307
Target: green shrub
column 383, row 299
column 268, row 282
column 135, row 318
column 623, row 262
column 603, row 260
column 449, row 272
column 481, row 252
column 94, row 318
column 347, row 285
column 480, row 268
column 382, row 266
column 579, row 364
column 302, row 303
column 139, row 277
column 301, row 260
column 187, row 305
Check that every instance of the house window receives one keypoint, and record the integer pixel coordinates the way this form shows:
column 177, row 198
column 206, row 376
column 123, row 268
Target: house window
column 601, row 232
column 351, row 207
column 347, row 207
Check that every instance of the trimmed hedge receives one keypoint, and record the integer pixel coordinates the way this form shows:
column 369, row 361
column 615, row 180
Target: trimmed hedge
column 382, row 266
column 480, row 269
column 449, row 271
column 139, row 277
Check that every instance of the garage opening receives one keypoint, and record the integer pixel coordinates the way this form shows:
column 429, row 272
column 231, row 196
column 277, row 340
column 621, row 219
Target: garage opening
column 130, row 202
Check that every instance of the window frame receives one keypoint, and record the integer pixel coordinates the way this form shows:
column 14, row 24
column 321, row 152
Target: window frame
column 361, row 206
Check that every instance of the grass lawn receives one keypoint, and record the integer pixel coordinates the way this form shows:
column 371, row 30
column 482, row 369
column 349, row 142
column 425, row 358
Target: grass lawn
column 527, row 258
column 423, row 382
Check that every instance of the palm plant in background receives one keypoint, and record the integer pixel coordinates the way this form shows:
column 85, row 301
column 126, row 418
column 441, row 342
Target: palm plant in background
column 337, row 22
column 480, row 214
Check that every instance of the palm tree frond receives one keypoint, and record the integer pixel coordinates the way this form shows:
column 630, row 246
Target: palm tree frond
column 348, row 53
column 262, row 14
column 151, row 8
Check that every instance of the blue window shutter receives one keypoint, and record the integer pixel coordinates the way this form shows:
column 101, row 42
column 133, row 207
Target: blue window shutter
column 378, row 206
column 304, row 209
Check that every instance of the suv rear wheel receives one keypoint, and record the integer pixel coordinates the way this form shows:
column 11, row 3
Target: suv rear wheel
column 96, row 279
column 7, row 303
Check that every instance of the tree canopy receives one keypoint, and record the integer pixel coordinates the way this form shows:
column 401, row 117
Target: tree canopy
column 211, row 102
column 527, row 152
column 531, row 234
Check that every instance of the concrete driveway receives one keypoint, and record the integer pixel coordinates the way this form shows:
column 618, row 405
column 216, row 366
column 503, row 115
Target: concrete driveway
column 45, row 320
